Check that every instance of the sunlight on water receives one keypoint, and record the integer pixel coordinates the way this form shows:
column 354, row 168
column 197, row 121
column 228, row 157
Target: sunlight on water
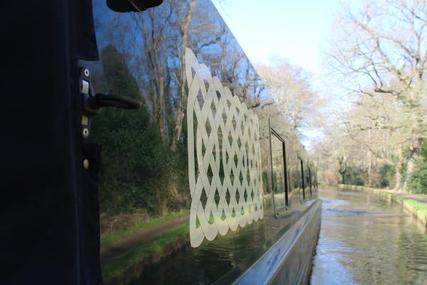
column 364, row 240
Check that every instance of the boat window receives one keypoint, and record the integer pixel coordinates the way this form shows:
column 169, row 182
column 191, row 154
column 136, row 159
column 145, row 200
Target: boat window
column 278, row 171
column 183, row 181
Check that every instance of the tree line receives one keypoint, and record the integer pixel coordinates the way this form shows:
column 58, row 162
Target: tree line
column 380, row 57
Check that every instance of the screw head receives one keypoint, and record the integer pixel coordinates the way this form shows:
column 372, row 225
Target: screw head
column 86, row 72
column 86, row 163
column 85, row 133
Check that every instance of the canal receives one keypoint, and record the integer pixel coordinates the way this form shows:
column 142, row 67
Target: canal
column 365, row 240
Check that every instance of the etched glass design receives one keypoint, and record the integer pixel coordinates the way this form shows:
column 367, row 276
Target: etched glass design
column 224, row 157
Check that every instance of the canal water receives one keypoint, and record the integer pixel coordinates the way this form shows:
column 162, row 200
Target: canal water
column 365, row 240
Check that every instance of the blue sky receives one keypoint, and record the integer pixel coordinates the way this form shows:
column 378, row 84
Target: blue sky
column 296, row 30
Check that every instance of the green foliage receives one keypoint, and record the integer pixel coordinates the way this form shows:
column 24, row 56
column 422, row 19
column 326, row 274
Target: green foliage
column 120, row 80
column 354, row 176
column 133, row 160
column 295, row 179
column 418, row 181
column 136, row 167
column 265, row 182
column 423, row 151
column 386, row 174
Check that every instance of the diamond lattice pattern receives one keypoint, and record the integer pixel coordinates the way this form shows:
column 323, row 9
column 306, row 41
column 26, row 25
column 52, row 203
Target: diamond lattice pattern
column 224, row 157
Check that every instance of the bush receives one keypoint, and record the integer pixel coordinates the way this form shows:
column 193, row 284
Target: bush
column 418, row 181
column 386, row 174
column 138, row 171
column 354, row 176
column 134, row 162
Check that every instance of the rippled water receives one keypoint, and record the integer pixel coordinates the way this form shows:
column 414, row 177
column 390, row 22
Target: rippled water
column 364, row 240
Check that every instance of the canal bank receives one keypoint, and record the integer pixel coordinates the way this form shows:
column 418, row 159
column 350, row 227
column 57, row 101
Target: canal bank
column 365, row 239
column 277, row 250
column 415, row 205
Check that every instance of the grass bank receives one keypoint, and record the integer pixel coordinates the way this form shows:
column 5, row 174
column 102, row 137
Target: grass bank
column 126, row 252
column 110, row 238
column 130, row 264
column 416, row 205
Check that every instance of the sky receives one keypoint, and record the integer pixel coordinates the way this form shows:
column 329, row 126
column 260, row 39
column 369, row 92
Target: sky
column 290, row 29
column 298, row 31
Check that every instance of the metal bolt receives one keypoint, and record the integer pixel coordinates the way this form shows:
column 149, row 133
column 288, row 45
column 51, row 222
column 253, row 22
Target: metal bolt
column 85, row 133
column 86, row 72
column 86, row 163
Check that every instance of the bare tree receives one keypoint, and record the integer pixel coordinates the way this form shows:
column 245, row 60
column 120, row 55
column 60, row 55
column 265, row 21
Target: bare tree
column 205, row 32
column 153, row 56
column 297, row 102
column 184, row 28
column 382, row 51
column 378, row 125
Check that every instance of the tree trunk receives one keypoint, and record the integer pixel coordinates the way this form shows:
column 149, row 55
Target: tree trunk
column 415, row 146
column 162, row 105
column 398, row 170
column 369, row 169
column 411, row 164
column 342, row 173
column 180, row 111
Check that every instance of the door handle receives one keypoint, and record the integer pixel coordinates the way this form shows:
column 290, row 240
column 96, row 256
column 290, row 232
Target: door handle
column 92, row 101
column 95, row 102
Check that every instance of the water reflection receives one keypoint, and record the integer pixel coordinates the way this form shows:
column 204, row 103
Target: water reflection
column 144, row 179
column 364, row 240
column 221, row 261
